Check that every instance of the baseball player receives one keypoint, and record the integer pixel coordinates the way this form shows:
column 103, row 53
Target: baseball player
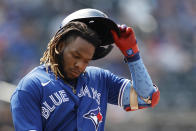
column 65, row 94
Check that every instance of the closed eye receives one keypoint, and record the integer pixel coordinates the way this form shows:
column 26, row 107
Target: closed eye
column 76, row 56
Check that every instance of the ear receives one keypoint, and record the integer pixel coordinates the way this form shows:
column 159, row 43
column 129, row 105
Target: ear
column 60, row 46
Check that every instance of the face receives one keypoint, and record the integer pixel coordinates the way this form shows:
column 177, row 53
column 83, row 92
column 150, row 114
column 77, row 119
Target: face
column 76, row 56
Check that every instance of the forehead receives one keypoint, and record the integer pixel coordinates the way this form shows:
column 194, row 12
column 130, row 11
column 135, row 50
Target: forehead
column 81, row 45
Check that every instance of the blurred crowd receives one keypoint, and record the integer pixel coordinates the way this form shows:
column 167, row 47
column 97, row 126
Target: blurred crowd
column 165, row 30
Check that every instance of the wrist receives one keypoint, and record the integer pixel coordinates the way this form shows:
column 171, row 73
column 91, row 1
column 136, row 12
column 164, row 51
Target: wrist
column 132, row 58
column 129, row 51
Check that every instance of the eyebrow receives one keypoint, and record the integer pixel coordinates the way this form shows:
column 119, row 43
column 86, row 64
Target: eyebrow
column 78, row 53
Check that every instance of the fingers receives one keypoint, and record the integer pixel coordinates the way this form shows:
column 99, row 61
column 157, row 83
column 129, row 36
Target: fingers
column 125, row 29
column 114, row 34
column 122, row 27
column 129, row 30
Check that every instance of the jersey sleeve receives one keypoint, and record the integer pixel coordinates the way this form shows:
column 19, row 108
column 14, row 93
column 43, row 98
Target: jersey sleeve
column 116, row 86
column 25, row 107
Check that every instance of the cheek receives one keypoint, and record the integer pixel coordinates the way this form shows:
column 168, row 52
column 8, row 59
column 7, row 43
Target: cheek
column 67, row 60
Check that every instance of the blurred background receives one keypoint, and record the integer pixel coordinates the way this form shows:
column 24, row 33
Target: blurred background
column 166, row 34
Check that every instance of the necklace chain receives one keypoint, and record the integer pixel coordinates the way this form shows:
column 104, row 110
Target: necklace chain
column 72, row 87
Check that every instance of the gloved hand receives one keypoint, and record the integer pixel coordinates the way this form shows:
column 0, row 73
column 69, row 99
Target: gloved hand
column 126, row 42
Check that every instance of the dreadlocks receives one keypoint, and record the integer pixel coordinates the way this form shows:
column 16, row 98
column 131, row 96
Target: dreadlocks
column 52, row 57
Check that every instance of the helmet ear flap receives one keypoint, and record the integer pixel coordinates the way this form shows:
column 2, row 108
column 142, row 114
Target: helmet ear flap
column 101, row 51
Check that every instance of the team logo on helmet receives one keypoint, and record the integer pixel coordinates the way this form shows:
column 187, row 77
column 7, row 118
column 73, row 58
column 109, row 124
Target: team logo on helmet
column 95, row 116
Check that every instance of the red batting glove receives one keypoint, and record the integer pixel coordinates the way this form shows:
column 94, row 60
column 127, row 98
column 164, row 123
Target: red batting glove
column 126, row 42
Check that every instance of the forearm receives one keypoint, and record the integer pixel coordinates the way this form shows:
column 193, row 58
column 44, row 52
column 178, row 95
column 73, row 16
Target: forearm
column 141, row 82
column 141, row 93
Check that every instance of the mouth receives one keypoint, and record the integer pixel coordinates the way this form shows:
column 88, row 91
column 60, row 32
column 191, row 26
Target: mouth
column 75, row 73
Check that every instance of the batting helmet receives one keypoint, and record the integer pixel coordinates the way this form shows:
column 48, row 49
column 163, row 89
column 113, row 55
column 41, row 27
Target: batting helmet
column 100, row 23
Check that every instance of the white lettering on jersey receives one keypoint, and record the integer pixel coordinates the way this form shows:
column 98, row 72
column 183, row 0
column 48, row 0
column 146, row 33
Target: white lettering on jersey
column 57, row 98
column 96, row 96
column 63, row 96
column 45, row 113
column 81, row 93
column 86, row 92
column 51, row 109
column 54, row 101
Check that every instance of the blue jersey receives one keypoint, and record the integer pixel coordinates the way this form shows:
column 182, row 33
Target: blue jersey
column 42, row 102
